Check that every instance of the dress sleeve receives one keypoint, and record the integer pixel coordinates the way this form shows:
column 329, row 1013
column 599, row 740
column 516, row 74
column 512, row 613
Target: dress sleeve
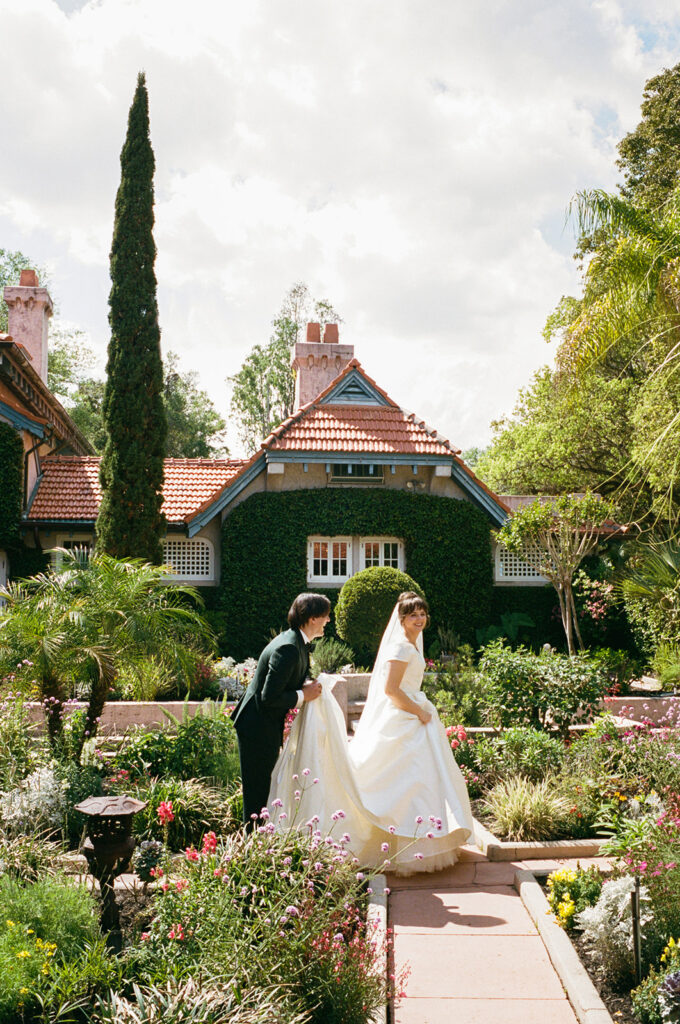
column 399, row 652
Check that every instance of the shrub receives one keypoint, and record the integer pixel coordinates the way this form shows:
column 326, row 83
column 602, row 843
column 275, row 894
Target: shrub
column 79, row 782
column 17, row 753
column 29, row 857
column 331, row 655
column 526, row 811
column 365, row 604
column 268, row 909
column 37, row 804
column 608, row 929
column 539, row 690
column 528, row 752
column 647, row 1005
column 570, row 892
column 204, row 746
column 197, row 808
column 43, row 926
column 146, row 858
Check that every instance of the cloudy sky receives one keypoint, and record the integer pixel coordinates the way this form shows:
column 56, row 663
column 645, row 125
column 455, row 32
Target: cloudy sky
column 412, row 162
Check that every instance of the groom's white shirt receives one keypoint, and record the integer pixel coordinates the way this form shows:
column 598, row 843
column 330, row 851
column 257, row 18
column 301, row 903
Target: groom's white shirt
column 301, row 696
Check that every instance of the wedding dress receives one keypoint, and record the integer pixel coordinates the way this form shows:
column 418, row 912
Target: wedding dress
column 396, row 782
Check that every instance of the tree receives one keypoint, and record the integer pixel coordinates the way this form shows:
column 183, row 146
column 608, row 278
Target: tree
column 69, row 359
column 263, row 391
column 79, row 626
column 130, row 522
column 564, row 435
column 649, row 156
column 561, row 533
column 11, row 265
column 195, row 428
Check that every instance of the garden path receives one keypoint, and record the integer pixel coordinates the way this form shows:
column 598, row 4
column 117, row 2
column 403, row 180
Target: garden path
column 474, row 953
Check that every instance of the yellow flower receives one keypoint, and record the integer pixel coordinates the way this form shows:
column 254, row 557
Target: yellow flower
column 10, row 924
column 22, row 954
column 30, row 931
column 23, row 991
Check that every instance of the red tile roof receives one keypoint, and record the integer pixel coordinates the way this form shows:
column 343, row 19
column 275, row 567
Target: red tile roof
column 69, row 488
column 364, row 429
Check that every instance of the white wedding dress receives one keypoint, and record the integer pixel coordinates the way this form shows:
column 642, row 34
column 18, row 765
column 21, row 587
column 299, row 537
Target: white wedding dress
column 396, row 782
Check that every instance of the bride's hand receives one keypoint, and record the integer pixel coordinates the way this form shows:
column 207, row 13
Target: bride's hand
column 425, row 716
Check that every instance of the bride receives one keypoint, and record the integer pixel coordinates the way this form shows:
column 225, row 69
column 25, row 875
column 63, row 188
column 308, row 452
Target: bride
column 395, row 789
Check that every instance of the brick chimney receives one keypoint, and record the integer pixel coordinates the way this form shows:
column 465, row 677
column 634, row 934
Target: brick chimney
column 29, row 310
column 317, row 363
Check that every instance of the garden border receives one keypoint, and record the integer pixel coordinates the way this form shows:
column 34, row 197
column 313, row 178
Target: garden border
column 377, row 916
column 583, row 995
column 497, row 850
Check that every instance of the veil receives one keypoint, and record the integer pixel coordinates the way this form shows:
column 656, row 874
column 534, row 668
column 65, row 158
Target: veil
column 377, row 698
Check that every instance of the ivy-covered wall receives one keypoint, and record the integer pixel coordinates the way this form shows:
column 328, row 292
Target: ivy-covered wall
column 11, row 480
column 264, row 556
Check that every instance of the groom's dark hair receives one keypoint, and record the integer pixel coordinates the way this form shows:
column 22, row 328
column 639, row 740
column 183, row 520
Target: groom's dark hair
column 306, row 607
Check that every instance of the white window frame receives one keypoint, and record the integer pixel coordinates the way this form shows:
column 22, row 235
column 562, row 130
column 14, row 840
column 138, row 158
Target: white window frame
column 191, row 542
column 381, row 541
column 63, row 540
column 329, row 579
column 512, row 570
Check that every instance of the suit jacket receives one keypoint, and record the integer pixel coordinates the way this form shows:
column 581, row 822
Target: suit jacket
column 281, row 670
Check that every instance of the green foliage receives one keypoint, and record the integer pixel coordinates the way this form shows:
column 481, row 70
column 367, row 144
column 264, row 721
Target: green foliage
column 81, row 781
column 146, row 858
column 540, row 604
column 646, row 1003
column 330, row 655
column 195, row 428
column 650, row 583
column 511, row 625
column 11, row 484
column 263, row 390
column 130, row 523
column 49, row 922
column 204, row 746
column 30, row 857
column 524, row 811
column 365, row 604
column 271, row 909
column 648, row 156
column 18, row 756
column 561, row 532
column 264, row 555
column 197, row 807
column 571, row 891
column 456, row 690
column 542, row 691
column 563, row 435
column 81, row 624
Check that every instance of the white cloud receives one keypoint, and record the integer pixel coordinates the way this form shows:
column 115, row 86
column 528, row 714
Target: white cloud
column 411, row 162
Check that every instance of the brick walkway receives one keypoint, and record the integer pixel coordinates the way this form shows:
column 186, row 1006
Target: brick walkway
column 474, row 953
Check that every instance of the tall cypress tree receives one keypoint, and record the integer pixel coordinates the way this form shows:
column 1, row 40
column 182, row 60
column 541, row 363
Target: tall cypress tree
column 130, row 523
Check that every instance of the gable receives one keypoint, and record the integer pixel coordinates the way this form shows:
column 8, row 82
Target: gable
column 354, row 388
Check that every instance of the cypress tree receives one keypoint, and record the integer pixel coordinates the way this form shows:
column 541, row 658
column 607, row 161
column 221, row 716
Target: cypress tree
column 130, row 523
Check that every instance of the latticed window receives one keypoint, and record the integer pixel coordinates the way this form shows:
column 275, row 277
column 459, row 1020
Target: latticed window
column 329, row 559
column 381, row 551
column 513, row 568
column 189, row 558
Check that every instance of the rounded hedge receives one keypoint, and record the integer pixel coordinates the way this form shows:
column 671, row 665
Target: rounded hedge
column 365, row 605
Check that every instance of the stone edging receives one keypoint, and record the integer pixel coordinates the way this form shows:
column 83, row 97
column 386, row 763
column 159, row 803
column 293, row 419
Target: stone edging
column 377, row 916
column 497, row 850
column 582, row 994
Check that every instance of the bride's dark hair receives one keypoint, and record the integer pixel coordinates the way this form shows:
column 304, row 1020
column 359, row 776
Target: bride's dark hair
column 408, row 602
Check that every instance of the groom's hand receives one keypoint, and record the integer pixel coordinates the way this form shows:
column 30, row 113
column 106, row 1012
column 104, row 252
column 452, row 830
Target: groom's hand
column 311, row 690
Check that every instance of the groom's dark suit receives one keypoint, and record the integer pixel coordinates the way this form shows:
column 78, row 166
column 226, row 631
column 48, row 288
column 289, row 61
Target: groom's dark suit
column 260, row 714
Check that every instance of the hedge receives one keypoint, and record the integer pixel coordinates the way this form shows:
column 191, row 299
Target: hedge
column 264, row 556
column 11, row 484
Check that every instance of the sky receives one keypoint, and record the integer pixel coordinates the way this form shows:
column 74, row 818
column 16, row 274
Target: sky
column 411, row 162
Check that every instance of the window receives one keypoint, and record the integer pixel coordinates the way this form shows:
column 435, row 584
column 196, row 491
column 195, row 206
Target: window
column 332, row 560
column 511, row 568
column 357, row 472
column 190, row 558
column 381, row 551
column 329, row 559
column 80, row 545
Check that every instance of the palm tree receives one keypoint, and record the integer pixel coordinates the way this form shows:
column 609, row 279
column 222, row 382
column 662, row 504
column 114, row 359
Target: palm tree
column 97, row 618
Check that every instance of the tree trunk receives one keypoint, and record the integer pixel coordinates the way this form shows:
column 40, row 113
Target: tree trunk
column 572, row 605
column 566, row 618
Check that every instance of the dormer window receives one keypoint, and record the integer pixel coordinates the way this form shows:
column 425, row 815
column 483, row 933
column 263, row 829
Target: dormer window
column 357, row 472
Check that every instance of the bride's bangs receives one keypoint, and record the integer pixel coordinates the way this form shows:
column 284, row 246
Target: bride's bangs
column 411, row 604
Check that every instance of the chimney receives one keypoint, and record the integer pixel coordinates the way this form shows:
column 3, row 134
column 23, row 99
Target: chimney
column 29, row 309
column 317, row 363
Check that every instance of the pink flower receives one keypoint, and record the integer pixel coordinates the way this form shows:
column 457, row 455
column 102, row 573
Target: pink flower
column 181, row 884
column 385, row 847
column 164, row 812
column 419, row 819
column 209, row 843
column 145, row 936
column 454, row 744
column 191, row 854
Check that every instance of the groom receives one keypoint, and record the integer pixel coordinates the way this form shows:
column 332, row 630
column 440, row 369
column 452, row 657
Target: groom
column 277, row 686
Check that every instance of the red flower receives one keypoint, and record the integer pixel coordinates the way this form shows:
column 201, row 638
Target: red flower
column 164, row 812
column 209, row 843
